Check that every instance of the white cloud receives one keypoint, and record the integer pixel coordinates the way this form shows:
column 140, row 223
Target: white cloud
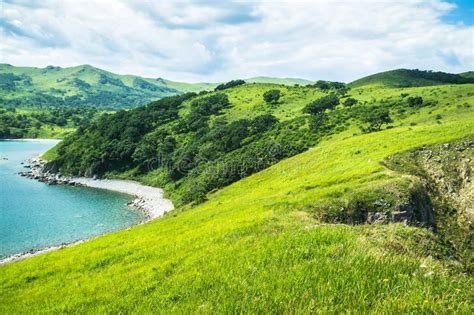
column 216, row 40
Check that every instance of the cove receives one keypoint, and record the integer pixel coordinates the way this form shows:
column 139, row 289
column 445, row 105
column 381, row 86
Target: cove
column 34, row 215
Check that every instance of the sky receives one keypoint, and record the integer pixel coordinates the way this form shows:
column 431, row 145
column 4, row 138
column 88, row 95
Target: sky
column 214, row 41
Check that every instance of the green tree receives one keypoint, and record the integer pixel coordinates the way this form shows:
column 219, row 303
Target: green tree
column 272, row 96
column 322, row 104
column 375, row 119
column 416, row 101
column 322, row 85
column 350, row 102
column 229, row 85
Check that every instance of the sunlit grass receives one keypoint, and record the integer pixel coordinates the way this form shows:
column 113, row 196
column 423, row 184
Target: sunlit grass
column 257, row 246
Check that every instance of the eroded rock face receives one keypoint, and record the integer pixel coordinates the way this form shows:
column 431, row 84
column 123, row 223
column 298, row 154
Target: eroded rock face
column 446, row 173
column 446, row 170
column 415, row 209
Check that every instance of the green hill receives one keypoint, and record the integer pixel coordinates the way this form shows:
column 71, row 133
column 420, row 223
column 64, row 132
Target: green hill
column 468, row 74
column 408, row 78
column 82, row 86
column 284, row 234
column 87, row 86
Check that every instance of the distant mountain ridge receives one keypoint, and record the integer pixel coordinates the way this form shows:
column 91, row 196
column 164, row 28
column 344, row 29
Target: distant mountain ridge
column 83, row 86
column 88, row 86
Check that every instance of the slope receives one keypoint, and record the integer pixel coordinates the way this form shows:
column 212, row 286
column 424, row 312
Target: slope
column 407, row 78
column 468, row 74
column 261, row 244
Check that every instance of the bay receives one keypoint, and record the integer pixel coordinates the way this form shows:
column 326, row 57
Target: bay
column 34, row 215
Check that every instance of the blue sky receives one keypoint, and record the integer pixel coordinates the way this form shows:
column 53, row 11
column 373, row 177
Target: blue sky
column 463, row 13
column 210, row 40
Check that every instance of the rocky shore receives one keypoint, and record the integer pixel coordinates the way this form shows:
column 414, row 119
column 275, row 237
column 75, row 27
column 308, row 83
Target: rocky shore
column 149, row 200
column 35, row 252
column 37, row 169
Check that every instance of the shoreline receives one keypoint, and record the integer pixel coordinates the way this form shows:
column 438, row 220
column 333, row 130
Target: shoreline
column 36, row 252
column 149, row 200
column 33, row 139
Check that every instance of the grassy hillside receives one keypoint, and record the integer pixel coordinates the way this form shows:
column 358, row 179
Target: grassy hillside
column 469, row 74
column 77, row 86
column 408, row 78
column 193, row 144
column 87, row 86
column 266, row 243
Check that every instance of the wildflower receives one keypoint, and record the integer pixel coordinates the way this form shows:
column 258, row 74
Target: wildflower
column 429, row 274
column 422, row 266
column 386, row 280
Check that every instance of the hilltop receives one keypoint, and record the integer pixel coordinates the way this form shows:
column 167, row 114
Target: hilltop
column 408, row 78
column 88, row 86
column 468, row 74
column 83, row 86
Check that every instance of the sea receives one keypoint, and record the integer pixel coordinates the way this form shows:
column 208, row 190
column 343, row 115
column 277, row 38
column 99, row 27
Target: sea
column 35, row 215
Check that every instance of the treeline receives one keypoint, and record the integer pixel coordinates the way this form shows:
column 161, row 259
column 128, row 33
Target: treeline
column 21, row 123
column 438, row 76
column 104, row 100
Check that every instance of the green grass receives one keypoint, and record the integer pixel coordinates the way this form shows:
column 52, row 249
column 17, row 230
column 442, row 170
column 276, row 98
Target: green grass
column 51, row 154
column 247, row 101
column 257, row 245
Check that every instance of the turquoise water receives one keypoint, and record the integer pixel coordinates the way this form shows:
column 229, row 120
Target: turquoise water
column 35, row 215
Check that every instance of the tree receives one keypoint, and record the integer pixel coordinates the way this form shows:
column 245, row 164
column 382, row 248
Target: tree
column 322, row 85
column 416, row 101
column 272, row 96
column 263, row 123
column 375, row 119
column 315, row 121
column 320, row 105
column 350, row 102
column 229, row 85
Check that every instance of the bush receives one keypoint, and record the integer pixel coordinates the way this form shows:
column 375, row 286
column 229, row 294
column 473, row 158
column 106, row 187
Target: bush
column 350, row 102
column 416, row 101
column 272, row 96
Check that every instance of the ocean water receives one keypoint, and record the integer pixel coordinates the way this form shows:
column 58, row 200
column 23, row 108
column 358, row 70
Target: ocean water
column 34, row 215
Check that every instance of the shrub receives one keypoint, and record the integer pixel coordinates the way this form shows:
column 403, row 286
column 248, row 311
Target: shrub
column 416, row 101
column 272, row 96
column 350, row 102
